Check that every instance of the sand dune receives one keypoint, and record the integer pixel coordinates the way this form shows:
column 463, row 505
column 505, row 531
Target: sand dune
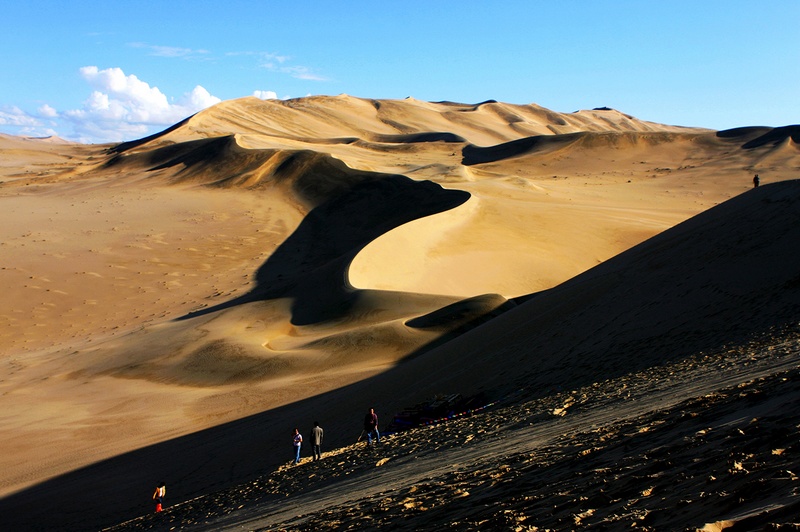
column 326, row 117
column 170, row 300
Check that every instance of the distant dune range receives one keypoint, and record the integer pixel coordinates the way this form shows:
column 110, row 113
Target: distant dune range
column 174, row 305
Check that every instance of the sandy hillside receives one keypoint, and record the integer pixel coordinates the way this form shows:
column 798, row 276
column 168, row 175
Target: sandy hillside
column 683, row 417
column 262, row 253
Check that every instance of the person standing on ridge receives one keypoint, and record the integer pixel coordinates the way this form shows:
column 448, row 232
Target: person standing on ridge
column 316, row 441
column 371, row 426
column 297, row 441
column 756, row 181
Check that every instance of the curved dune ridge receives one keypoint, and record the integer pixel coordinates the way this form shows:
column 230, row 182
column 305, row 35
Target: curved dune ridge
column 409, row 120
column 223, row 162
column 262, row 263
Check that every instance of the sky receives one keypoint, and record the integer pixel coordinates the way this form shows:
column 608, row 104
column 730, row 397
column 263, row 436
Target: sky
column 109, row 71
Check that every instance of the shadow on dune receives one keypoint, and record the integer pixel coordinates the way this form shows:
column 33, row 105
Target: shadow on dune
column 724, row 277
column 311, row 266
column 756, row 137
column 747, row 137
column 472, row 155
column 544, row 144
column 349, row 209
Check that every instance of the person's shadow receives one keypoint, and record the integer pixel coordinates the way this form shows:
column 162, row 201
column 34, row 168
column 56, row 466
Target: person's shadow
column 311, row 266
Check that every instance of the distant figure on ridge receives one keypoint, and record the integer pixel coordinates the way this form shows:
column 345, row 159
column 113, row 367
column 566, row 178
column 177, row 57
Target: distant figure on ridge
column 371, row 426
column 316, row 441
column 755, row 181
column 297, row 441
column 159, row 494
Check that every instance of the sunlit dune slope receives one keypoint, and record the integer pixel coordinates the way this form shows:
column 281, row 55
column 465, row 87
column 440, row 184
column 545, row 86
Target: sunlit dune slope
column 601, row 192
column 723, row 277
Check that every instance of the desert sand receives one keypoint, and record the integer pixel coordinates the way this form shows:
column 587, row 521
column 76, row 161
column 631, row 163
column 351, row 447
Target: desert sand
column 174, row 306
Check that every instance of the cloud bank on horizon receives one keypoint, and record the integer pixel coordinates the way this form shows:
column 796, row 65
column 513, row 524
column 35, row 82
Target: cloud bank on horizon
column 123, row 105
column 120, row 107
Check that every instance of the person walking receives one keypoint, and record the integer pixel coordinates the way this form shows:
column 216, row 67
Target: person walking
column 158, row 496
column 297, row 442
column 371, row 426
column 316, row 441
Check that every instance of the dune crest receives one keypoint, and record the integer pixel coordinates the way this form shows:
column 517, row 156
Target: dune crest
column 342, row 117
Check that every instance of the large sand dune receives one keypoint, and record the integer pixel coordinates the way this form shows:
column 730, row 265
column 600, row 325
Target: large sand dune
column 173, row 305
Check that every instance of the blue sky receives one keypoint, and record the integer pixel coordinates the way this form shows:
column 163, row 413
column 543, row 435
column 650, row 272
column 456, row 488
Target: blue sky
column 107, row 71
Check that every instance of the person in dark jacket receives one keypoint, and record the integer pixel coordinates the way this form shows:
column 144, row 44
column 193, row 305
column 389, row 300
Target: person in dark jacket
column 316, row 441
column 371, row 426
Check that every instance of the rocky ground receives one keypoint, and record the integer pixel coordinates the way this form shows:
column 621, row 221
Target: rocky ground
column 711, row 441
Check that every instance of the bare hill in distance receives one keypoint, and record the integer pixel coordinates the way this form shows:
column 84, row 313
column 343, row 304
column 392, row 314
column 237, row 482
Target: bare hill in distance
column 175, row 305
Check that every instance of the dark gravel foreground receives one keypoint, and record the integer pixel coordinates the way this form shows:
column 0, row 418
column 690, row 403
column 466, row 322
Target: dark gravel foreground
column 712, row 440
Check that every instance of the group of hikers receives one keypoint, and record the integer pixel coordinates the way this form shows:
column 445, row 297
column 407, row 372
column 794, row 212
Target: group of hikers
column 370, row 430
column 315, row 437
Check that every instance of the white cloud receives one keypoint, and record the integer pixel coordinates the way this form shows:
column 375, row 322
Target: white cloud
column 301, row 72
column 88, row 131
column 268, row 59
column 124, row 97
column 279, row 63
column 18, row 122
column 47, row 111
column 266, row 95
column 119, row 107
column 198, row 99
column 14, row 116
column 171, row 51
column 122, row 106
